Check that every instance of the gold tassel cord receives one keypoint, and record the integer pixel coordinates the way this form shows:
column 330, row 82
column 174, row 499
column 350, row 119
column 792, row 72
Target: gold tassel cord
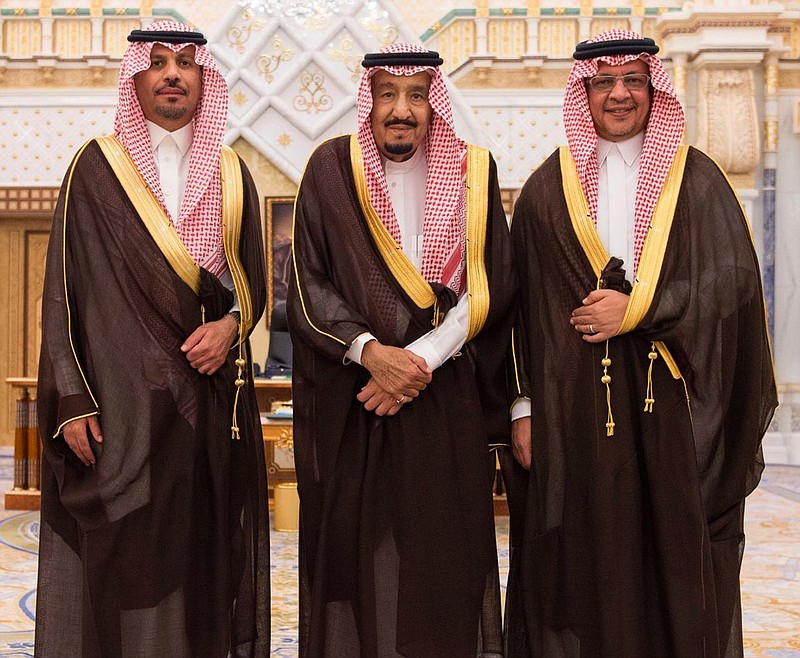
column 606, row 379
column 240, row 364
column 649, row 397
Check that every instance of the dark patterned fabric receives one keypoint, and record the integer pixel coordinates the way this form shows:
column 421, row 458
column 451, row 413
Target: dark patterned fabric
column 162, row 547
column 397, row 548
column 631, row 545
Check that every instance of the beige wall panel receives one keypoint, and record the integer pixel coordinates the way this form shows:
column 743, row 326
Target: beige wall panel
column 23, row 243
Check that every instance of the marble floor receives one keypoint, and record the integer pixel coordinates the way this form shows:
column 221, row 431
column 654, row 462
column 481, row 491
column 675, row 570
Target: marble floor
column 770, row 574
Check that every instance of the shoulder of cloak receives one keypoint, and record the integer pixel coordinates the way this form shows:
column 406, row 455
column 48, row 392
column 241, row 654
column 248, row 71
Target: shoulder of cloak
column 334, row 149
column 547, row 176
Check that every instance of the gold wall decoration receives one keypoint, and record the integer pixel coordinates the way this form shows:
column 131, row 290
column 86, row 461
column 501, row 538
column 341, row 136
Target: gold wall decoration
column 73, row 39
column 558, row 38
column 771, row 136
column 266, row 65
column 679, row 79
column 284, row 139
column 239, row 35
column 377, row 23
column 604, row 24
column 727, row 120
column 457, row 43
column 789, row 79
column 771, row 78
column 344, row 53
column 513, row 79
column 28, row 200
column 115, row 36
column 23, row 38
column 507, row 38
column 312, row 96
column 96, row 78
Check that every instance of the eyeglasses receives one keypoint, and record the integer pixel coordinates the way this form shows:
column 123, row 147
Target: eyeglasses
column 632, row 81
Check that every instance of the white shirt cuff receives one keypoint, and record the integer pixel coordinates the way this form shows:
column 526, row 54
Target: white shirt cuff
column 521, row 408
column 444, row 341
column 356, row 347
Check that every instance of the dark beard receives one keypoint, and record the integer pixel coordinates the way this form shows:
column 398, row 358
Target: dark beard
column 172, row 113
column 398, row 149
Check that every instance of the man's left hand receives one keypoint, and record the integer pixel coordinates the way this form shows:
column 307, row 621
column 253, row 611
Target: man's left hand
column 600, row 316
column 382, row 403
column 208, row 345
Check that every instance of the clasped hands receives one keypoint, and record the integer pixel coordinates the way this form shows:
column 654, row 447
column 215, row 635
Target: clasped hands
column 398, row 376
column 600, row 315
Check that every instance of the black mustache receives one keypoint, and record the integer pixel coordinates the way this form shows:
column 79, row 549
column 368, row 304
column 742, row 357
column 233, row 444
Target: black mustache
column 172, row 84
column 400, row 122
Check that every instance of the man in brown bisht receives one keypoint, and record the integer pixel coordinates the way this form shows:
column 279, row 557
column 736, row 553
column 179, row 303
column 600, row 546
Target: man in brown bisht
column 154, row 534
column 648, row 386
column 399, row 308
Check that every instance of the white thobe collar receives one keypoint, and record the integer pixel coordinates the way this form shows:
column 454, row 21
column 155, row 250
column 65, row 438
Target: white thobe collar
column 629, row 149
column 183, row 136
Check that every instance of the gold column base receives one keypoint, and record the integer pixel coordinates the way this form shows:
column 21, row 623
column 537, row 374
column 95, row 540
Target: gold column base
column 287, row 507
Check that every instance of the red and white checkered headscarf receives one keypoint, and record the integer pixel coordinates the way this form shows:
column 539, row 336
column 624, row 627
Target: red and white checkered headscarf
column 199, row 221
column 445, row 201
column 662, row 134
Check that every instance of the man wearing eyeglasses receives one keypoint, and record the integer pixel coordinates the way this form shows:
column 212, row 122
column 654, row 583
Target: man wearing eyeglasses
column 643, row 378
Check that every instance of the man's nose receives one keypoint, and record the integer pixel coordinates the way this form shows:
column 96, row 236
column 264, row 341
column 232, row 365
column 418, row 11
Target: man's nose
column 171, row 71
column 402, row 108
column 619, row 90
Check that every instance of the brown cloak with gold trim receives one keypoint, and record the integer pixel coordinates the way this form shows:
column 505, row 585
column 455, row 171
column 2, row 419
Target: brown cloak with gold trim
column 630, row 545
column 397, row 550
column 161, row 548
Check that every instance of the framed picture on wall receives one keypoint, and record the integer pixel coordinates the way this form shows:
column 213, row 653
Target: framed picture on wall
column 278, row 230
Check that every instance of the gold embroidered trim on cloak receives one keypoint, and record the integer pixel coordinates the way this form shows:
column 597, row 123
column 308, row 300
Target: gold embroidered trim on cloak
column 652, row 258
column 66, row 289
column 151, row 212
column 232, row 205
column 402, row 269
column 579, row 213
column 477, row 203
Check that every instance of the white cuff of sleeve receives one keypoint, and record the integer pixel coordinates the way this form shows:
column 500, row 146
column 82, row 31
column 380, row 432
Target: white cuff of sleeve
column 356, row 347
column 521, row 408
column 427, row 351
